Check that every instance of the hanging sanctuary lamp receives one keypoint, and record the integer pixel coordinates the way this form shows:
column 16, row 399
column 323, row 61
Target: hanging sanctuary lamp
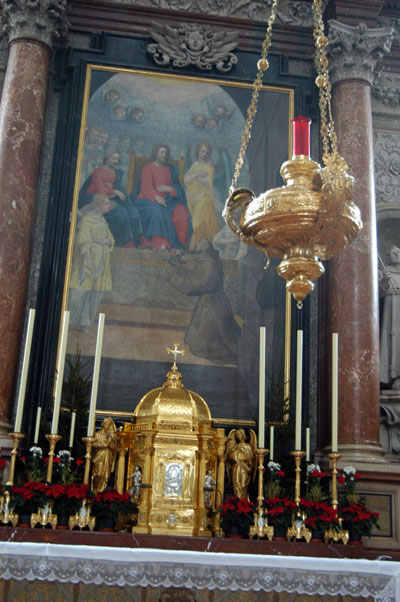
column 312, row 217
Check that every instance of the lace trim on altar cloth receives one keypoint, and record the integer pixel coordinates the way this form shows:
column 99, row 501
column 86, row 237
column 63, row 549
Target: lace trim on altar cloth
column 200, row 570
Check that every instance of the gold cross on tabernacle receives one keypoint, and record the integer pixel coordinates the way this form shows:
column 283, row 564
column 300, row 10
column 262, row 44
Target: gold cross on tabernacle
column 175, row 352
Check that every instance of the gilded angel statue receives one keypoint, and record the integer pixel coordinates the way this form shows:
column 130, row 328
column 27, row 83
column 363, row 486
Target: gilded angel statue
column 193, row 44
column 241, row 460
column 103, row 464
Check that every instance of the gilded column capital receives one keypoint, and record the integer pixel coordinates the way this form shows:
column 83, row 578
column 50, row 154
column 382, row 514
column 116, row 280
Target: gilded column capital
column 354, row 52
column 41, row 20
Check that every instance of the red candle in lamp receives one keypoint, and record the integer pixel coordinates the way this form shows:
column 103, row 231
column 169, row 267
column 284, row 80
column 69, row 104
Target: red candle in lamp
column 301, row 136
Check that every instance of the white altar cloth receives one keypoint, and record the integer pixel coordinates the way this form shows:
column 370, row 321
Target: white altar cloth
column 202, row 570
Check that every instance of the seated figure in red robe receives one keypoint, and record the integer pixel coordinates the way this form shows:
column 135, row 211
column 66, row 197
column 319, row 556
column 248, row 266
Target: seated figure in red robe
column 161, row 202
column 123, row 219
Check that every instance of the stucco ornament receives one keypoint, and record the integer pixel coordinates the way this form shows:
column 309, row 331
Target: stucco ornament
column 193, row 44
column 387, row 166
column 41, row 20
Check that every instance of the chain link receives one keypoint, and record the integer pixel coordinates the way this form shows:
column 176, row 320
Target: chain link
column 252, row 109
column 327, row 128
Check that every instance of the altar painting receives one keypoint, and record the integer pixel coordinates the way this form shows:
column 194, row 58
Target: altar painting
column 148, row 245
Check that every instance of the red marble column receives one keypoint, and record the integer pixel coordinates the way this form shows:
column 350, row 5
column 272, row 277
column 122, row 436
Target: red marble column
column 352, row 279
column 353, row 276
column 21, row 120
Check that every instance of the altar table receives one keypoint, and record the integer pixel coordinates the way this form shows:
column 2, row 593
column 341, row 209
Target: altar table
column 197, row 573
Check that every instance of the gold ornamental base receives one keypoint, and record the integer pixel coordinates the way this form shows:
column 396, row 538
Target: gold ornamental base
column 173, row 521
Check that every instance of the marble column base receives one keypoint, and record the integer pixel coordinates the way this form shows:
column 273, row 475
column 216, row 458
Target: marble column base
column 353, row 454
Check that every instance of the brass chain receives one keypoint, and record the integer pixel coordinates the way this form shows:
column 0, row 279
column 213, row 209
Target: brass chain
column 327, row 128
column 262, row 66
column 328, row 134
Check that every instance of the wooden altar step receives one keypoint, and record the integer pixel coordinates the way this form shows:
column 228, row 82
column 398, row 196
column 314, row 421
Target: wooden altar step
column 197, row 544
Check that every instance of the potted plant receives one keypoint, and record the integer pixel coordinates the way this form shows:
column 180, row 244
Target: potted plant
column 359, row 521
column 315, row 491
column 348, row 479
column 352, row 510
column 109, row 507
column 66, row 501
column 236, row 516
column 27, row 499
column 30, row 468
column 65, row 469
column 279, row 513
column 274, row 474
column 320, row 516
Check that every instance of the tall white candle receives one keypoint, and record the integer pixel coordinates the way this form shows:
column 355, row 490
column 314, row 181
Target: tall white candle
column 308, row 444
column 37, row 425
column 60, row 373
column 96, row 372
column 261, row 392
column 24, row 373
column 299, row 387
column 335, row 370
column 271, row 443
column 72, row 431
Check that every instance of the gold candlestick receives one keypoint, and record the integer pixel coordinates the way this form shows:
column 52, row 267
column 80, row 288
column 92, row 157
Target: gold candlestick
column 331, row 534
column 298, row 530
column 16, row 437
column 297, row 455
column 88, row 457
column 261, row 453
column 52, row 439
column 334, row 457
column 261, row 527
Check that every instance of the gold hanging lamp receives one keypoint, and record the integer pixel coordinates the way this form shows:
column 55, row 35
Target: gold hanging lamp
column 312, row 217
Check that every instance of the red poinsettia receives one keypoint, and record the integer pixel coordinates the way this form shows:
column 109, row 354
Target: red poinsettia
column 320, row 515
column 236, row 512
column 29, row 497
column 3, row 462
column 67, row 499
column 279, row 511
column 359, row 518
column 110, row 504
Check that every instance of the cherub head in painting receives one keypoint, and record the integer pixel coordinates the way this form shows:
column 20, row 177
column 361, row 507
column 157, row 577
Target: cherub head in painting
column 199, row 120
column 213, row 124
column 111, row 96
column 136, row 114
column 119, row 112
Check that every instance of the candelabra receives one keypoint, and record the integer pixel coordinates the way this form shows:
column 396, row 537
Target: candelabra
column 16, row 437
column 297, row 455
column 298, row 530
column 331, row 534
column 82, row 518
column 261, row 527
column 44, row 516
column 52, row 439
column 7, row 515
column 88, row 457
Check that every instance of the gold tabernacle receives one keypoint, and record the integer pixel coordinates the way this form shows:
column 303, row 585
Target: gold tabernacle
column 172, row 460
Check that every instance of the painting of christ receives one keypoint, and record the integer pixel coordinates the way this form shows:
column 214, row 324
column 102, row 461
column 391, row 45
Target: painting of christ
column 157, row 155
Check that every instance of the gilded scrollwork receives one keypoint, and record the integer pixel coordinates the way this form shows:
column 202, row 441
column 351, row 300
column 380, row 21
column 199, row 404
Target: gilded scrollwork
column 193, row 44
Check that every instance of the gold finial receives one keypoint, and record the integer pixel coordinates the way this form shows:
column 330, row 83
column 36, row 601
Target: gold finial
column 175, row 352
